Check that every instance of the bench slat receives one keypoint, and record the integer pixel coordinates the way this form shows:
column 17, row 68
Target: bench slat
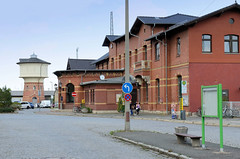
column 188, row 135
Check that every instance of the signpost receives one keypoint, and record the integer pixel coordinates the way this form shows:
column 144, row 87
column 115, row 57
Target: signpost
column 127, row 87
column 127, row 97
column 212, row 107
column 127, row 74
column 74, row 94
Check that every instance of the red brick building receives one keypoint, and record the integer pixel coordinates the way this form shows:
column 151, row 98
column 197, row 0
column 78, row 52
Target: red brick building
column 170, row 57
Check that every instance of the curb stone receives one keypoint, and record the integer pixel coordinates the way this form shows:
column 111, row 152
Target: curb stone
column 154, row 148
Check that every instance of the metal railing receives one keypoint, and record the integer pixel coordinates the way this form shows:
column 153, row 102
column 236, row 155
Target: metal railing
column 142, row 65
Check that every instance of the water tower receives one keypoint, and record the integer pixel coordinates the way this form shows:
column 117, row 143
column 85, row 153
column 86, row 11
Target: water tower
column 33, row 70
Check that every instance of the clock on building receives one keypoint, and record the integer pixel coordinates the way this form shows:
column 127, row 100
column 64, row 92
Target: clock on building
column 102, row 77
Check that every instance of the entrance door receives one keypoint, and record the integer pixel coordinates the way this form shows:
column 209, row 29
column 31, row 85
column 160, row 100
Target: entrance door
column 134, row 96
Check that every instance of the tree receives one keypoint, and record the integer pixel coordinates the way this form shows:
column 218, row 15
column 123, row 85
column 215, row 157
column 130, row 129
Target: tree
column 5, row 97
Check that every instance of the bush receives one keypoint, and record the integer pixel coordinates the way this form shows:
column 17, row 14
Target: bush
column 5, row 97
column 16, row 105
column 121, row 107
column 89, row 109
column 7, row 109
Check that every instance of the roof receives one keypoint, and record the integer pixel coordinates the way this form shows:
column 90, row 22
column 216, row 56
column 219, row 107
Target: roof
column 169, row 20
column 116, row 80
column 20, row 93
column 110, row 38
column 185, row 24
column 33, row 59
column 78, row 64
column 49, row 93
column 104, row 57
column 60, row 72
column 16, row 93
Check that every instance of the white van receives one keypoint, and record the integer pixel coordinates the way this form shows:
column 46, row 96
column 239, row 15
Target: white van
column 45, row 104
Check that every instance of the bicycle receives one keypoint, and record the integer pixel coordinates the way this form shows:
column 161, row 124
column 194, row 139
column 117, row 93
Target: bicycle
column 199, row 112
column 76, row 109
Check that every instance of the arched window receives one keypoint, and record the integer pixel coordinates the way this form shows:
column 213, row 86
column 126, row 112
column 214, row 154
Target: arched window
column 70, row 89
column 178, row 46
column 157, row 51
column 206, row 43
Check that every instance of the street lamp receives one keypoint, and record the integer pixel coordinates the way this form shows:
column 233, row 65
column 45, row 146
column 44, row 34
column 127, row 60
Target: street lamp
column 60, row 87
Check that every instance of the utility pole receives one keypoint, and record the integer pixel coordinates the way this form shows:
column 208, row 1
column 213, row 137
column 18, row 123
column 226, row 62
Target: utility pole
column 127, row 103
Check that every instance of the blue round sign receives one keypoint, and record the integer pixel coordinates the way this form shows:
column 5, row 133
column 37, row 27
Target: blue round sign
column 127, row 97
column 127, row 87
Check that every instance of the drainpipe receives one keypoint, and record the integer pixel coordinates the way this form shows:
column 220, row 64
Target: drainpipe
column 153, row 28
column 82, row 76
column 166, row 67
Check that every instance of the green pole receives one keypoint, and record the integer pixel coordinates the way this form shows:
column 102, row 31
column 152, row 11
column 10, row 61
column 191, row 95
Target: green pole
column 203, row 121
column 220, row 116
column 203, row 133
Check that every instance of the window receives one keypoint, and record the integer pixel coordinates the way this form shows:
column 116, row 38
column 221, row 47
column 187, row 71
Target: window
column 178, row 46
column 86, row 96
column 179, row 87
column 92, row 95
column 231, row 44
column 157, row 51
column 112, row 63
column 34, row 87
column 206, row 43
column 158, row 90
column 130, row 59
column 146, row 91
column 136, row 52
column 119, row 61
column 145, row 52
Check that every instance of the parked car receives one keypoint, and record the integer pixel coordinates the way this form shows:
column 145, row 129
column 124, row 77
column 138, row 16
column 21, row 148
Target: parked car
column 45, row 104
column 25, row 105
column 32, row 105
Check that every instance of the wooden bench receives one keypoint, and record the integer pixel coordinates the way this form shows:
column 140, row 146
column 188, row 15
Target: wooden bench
column 195, row 139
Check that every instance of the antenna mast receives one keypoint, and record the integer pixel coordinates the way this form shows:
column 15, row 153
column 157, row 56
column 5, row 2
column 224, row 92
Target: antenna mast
column 111, row 24
column 77, row 53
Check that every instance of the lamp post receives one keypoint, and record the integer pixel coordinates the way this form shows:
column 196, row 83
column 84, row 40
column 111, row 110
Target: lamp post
column 60, row 93
column 55, row 94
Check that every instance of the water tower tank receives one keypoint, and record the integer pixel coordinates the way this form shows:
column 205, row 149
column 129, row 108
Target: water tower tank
column 33, row 70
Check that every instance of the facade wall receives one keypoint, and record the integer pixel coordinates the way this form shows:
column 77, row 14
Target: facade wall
column 215, row 67
column 191, row 65
column 75, row 79
column 105, row 96
column 213, row 74
column 31, row 91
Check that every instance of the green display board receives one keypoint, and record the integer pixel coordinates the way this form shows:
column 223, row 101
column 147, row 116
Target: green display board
column 212, row 107
column 210, row 102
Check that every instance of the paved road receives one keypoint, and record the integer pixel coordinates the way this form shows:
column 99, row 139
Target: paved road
column 31, row 136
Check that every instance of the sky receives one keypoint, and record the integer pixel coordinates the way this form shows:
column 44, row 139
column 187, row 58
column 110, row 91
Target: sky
column 53, row 29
